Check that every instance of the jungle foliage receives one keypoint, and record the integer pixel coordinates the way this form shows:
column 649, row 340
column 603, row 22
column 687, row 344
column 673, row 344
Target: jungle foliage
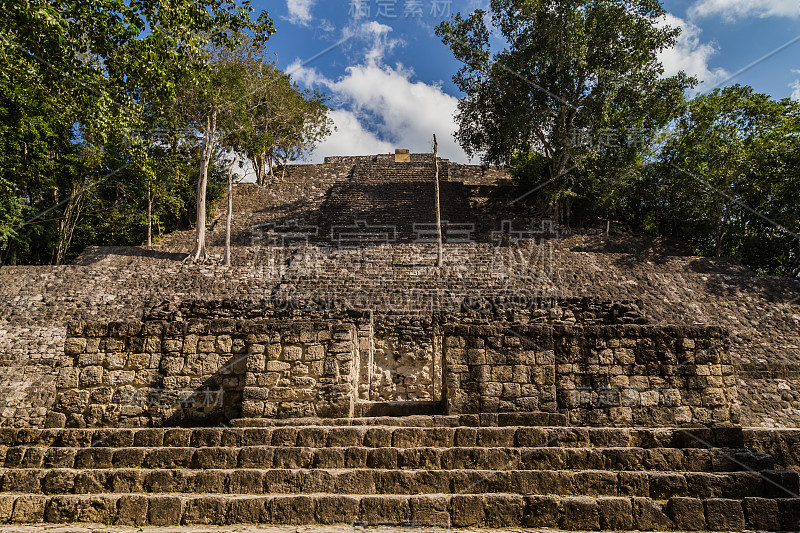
column 105, row 114
column 577, row 106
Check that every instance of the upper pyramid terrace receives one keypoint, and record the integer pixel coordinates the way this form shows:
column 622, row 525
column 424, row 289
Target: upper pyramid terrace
column 540, row 378
column 295, row 257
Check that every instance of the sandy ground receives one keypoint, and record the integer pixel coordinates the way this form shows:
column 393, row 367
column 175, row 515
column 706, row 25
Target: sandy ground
column 99, row 528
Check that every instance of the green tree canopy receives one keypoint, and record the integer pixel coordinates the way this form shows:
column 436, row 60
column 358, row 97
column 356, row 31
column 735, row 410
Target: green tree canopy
column 569, row 68
column 288, row 122
column 729, row 182
column 78, row 81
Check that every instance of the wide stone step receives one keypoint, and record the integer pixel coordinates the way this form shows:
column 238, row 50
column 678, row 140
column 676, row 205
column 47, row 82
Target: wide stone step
column 656, row 485
column 393, row 419
column 377, row 436
column 476, row 457
column 432, row 510
column 403, row 409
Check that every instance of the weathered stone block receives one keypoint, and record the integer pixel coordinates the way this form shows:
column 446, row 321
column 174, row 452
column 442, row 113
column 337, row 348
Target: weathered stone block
column 132, row 510
column 74, row 345
column 205, row 510
column 687, row 513
column 664, row 486
column 467, row 510
column 761, row 514
column 91, row 376
column 223, row 344
column 385, row 509
column 165, row 510
column 292, row 353
column 649, row 515
column 277, row 366
column 789, row 513
column 430, row 511
column 337, row 509
column 724, row 515
column 541, row 511
column 73, row 401
column 29, row 509
column 249, row 510
column 503, row 510
column 579, row 513
column 615, row 513
column 293, row 509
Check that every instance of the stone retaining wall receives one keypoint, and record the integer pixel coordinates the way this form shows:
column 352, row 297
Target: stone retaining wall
column 159, row 373
column 308, row 371
column 470, row 174
column 596, row 375
column 150, row 374
column 201, row 372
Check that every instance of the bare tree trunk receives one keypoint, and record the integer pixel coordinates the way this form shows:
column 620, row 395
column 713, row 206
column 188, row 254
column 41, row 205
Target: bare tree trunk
column 149, row 214
column 260, row 164
column 254, row 160
column 227, row 259
column 438, row 207
column 200, row 234
column 200, row 252
column 67, row 224
column 718, row 231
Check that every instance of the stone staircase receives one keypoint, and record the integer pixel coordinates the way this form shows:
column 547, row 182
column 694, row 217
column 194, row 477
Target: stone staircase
column 393, row 194
column 489, row 471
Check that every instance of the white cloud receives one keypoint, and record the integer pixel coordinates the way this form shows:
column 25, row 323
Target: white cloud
column 795, row 85
column 690, row 54
column 731, row 10
column 377, row 35
column 300, row 11
column 381, row 107
column 326, row 26
column 350, row 138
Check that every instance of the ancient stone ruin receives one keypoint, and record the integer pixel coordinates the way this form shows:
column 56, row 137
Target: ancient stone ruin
column 334, row 375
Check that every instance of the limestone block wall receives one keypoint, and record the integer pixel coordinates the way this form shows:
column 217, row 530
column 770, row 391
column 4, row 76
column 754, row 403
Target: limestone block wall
column 596, row 375
column 379, row 158
column 769, row 393
column 472, row 174
column 143, row 374
column 478, row 175
column 645, row 375
column 30, row 354
column 306, row 370
column 201, row 372
column 488, row 369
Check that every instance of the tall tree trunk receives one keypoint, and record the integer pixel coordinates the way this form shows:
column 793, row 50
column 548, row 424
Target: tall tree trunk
column 149, row 214
column 66, row 226
column 200, row 252
column 718, row 231
column 227, row 259
column 260, row 164
column 438, row 207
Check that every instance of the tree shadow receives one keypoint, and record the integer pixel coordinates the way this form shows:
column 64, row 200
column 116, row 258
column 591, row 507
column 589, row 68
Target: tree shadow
column 93, row 255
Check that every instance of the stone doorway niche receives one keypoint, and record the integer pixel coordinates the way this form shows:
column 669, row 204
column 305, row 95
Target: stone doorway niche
column 400, row 360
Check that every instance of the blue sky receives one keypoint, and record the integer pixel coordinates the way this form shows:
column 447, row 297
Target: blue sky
column 389, row 76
